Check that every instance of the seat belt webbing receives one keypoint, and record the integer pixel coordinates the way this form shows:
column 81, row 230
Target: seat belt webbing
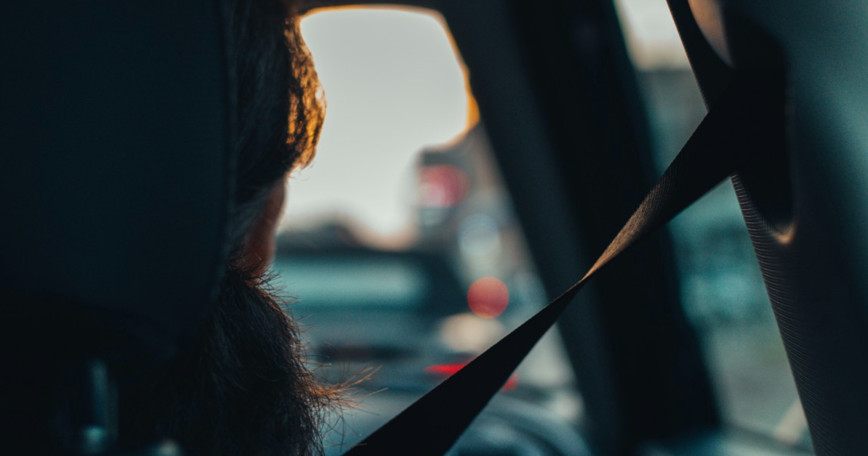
column 724, row 142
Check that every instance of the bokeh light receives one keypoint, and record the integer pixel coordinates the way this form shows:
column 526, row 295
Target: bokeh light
column 488, row 297
column 447, row 370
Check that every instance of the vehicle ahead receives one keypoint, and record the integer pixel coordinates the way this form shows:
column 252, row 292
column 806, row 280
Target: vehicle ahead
column 364, row 306
column 394, row 324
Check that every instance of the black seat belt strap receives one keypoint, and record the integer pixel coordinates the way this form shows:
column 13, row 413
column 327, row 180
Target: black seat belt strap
column 723, row 143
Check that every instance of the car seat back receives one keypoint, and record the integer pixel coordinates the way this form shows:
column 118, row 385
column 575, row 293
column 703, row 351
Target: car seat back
column 114, row 174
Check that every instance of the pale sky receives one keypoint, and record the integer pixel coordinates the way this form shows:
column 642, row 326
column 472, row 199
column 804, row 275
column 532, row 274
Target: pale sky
column 393, row 86
column 651, row 36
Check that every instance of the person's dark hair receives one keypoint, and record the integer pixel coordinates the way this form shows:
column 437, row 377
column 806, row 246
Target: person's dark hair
column 242, row 387
column 280, row 107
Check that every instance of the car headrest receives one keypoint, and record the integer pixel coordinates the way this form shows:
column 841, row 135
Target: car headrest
column 114, row 173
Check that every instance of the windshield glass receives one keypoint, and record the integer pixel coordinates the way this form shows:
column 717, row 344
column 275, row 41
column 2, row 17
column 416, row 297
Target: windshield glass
column 399, row 250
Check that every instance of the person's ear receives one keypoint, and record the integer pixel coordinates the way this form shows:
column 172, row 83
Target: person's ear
column 260, row 246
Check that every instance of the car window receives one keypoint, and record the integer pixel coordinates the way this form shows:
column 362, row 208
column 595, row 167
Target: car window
column 721, row 285
column 399, row 250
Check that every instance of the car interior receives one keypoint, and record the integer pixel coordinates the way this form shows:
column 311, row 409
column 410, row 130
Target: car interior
column 684, row 181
